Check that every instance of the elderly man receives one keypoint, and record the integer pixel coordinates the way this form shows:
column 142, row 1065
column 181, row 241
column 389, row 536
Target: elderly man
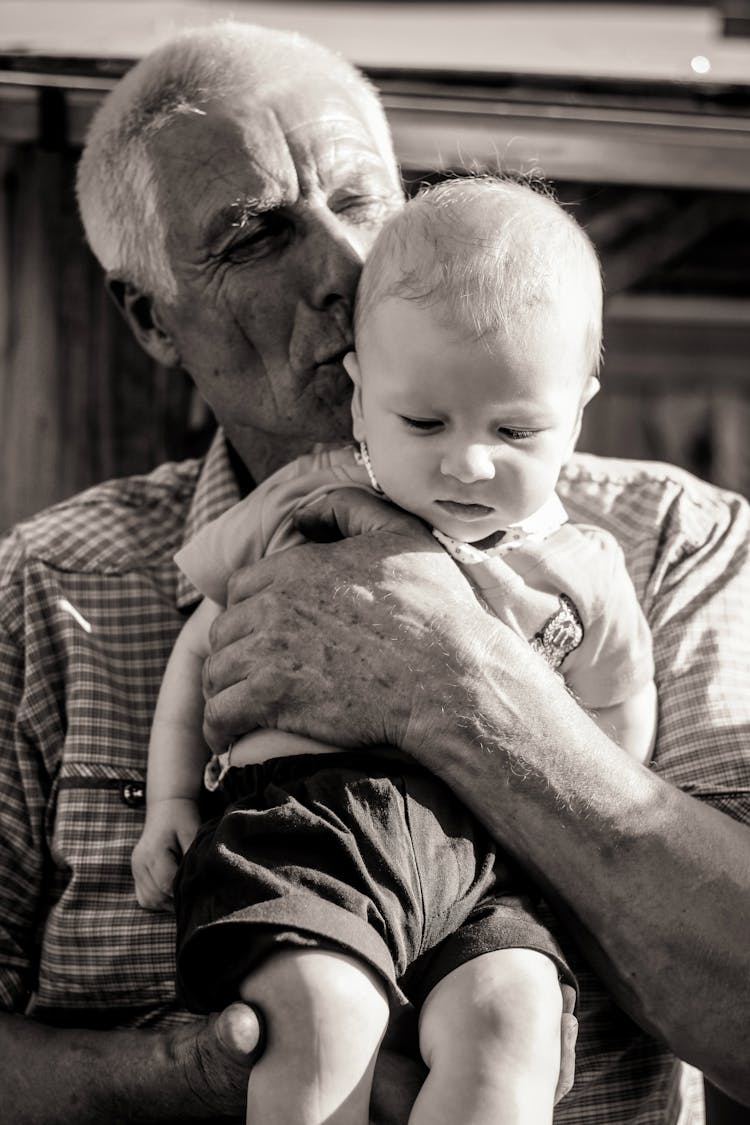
column 231, row 186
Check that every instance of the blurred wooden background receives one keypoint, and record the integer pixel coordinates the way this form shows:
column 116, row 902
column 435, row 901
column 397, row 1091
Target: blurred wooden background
column 658, row 172
column 639, row 113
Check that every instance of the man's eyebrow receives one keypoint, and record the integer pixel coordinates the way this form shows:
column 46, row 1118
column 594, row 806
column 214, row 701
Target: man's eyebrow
column 235, row 215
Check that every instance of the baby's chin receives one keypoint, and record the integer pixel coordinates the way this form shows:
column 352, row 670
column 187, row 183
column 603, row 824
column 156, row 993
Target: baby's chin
column 466, row 523
column 484, row 537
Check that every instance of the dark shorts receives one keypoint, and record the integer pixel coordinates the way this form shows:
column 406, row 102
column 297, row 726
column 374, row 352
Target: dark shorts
column 363, row 853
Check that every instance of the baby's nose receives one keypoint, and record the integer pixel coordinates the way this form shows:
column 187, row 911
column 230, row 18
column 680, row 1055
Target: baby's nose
column 468, row 463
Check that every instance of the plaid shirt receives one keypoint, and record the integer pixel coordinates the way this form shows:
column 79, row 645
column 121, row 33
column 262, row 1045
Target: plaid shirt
column 91, row 605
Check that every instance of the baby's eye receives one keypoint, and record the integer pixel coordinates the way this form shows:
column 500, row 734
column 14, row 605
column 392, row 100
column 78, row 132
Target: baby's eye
column 420, row 423
column 516, row 435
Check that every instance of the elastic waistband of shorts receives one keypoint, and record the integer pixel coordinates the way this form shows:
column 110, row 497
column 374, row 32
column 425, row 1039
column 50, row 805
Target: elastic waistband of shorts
column 378, row 761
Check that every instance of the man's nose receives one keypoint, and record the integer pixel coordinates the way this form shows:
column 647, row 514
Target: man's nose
column 468, row 463
column 334, row 254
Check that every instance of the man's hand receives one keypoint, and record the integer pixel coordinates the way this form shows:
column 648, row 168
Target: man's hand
column 216, row 1060
column 351, row 642
column 349, row 512
column 568, row 1039
column 195, row 1072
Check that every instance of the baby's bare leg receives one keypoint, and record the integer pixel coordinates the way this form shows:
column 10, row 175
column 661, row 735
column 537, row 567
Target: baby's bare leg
column 490, row 1034
column 325, row 1015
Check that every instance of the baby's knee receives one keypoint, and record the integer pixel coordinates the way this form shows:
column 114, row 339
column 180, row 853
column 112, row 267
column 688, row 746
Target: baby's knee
column 509, row 995
column 300, row 989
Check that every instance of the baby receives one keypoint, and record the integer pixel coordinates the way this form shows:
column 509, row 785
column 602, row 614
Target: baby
column 338, row 885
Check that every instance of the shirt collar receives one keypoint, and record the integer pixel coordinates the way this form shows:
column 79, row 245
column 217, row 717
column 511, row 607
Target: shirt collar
column 546, row 520
column 216, row 490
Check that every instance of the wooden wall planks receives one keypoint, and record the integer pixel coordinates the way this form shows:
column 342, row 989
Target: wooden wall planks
column 79, row 401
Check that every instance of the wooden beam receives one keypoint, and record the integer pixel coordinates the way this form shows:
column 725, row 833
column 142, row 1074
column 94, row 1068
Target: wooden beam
column 664, row 227
column 677, row 343
column 444, row 128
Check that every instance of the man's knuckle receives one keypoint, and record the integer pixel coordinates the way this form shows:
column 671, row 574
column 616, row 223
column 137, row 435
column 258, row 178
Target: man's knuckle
column 233, row 586
column 211, row 714
column 215, row 632
column 208, row 678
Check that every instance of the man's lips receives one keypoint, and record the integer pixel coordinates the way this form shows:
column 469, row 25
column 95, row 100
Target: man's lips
column 330, row 381
column 465, row 511
column 333, row 359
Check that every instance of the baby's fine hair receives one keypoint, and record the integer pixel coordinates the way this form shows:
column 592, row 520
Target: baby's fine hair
column 485, row 251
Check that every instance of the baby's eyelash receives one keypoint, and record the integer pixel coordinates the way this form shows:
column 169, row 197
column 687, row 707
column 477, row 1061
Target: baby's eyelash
column 517, row 435
column 419, row 423
column 426, row 424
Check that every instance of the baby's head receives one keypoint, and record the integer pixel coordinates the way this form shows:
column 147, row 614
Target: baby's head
column 478, row 337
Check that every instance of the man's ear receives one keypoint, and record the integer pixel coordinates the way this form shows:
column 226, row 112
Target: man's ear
column 142, row 316
column 351, row 364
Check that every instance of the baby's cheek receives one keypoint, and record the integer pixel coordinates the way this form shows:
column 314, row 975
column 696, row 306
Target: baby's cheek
column 530, row 483
column 396, row 475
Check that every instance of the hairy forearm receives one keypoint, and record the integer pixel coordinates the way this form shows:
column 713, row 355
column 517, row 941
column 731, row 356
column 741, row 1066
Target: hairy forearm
column 52, row 1076
column 655, row 884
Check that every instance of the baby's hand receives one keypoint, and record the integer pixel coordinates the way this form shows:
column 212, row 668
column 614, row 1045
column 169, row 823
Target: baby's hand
column 170, row 827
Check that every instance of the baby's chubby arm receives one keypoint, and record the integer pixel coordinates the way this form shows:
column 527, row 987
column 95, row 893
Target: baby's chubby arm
column 176, row 757
column 632, row 723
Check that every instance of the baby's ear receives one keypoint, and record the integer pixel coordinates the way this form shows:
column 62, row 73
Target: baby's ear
column 591, row 389
column 351, row 364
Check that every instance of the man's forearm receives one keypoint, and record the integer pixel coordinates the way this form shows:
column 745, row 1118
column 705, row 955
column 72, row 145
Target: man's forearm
column 53, row 1076
column 655, row 884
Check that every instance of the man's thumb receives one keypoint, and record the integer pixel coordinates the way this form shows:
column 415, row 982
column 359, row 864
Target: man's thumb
column 348, row 512
column 239, row 1028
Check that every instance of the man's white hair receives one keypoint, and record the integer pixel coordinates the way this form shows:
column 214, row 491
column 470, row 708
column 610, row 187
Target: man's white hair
column 116, row 181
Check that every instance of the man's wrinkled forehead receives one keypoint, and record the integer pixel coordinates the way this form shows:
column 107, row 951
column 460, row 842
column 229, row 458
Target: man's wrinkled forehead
column 230, row 157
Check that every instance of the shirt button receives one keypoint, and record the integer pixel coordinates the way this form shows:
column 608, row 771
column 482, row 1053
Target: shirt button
column 133, row 793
